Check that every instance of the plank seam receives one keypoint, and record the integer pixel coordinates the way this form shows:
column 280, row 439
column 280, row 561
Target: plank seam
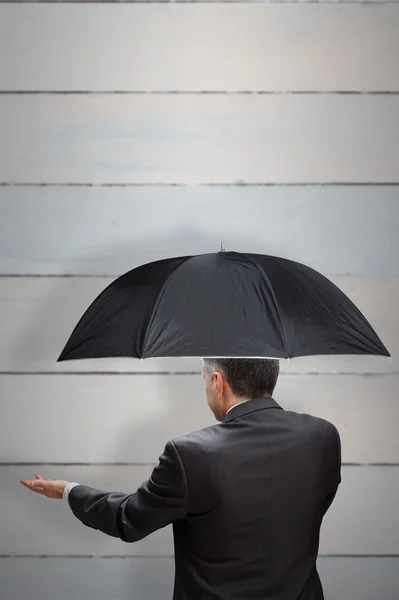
column 203, row 92
column 115, row 2
column 239, row 183
column 152, row 464
column 155, row 556
column 114, row 275
column 198, row 373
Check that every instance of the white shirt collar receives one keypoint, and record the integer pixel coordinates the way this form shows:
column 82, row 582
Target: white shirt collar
column 242, row 402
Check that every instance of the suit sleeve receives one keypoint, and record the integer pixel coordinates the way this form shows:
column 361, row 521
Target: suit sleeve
column 333, row 453
column 159, row 501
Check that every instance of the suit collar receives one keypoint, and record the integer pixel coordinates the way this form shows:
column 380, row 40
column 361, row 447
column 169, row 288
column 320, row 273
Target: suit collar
column 251, row 406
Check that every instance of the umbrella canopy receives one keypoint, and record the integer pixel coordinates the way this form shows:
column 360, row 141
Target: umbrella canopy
column 226, row 304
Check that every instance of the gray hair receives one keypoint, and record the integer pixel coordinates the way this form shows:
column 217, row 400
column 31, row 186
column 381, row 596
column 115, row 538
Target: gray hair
column 247, row 377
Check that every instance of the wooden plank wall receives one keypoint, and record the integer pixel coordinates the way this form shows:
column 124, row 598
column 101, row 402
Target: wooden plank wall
column 131, row 131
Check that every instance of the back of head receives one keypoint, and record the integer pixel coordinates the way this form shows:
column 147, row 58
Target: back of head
column 247, row 377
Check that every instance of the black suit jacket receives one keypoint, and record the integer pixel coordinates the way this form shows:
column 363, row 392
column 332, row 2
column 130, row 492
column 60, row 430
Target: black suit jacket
column 246, row 498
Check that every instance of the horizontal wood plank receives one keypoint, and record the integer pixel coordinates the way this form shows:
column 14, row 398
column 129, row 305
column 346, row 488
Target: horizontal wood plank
column 362, row 520
column 100, row 230
column 153, row 578
column 136, row 416
column 199, row 139
column 37, row 316
column 229, row 47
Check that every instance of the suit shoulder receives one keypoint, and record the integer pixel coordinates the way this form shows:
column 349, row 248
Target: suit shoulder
column 327, row 428
column 200, row 438
column 326, row 431
column 314, row 424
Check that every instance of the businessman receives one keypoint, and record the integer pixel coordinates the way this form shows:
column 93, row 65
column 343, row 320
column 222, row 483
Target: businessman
column 246, row 496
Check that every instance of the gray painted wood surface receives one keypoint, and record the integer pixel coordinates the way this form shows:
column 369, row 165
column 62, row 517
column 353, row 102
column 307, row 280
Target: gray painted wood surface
column 363, row 519
column 199, row 138
column 130, row 418
column 38, row 314
column 152, row 578
column 189, row 138
column 197, row 47
column 101, row 230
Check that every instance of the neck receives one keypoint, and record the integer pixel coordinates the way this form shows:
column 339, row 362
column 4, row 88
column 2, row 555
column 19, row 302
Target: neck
column 235, row 402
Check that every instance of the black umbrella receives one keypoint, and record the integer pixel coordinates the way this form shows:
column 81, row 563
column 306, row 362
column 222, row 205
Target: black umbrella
column 226, row 304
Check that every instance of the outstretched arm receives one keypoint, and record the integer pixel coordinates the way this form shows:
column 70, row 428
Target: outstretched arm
column 158, row 502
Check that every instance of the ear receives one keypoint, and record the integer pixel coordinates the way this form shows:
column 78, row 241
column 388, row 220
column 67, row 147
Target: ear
column 219, row 384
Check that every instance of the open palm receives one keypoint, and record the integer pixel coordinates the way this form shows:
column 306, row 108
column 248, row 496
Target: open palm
column 46, row 487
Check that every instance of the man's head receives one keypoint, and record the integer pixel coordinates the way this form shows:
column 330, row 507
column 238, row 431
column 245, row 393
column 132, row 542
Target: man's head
column 232, row 380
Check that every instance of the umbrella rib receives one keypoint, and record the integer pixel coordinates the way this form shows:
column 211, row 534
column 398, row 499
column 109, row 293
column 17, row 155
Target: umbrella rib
column 274, row 300
column 157, row 302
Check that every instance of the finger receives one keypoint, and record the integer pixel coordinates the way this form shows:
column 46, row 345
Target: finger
column 38, row 486
column 41, row 478
column 32, row 485
column 38, row 483
column 27, row 482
